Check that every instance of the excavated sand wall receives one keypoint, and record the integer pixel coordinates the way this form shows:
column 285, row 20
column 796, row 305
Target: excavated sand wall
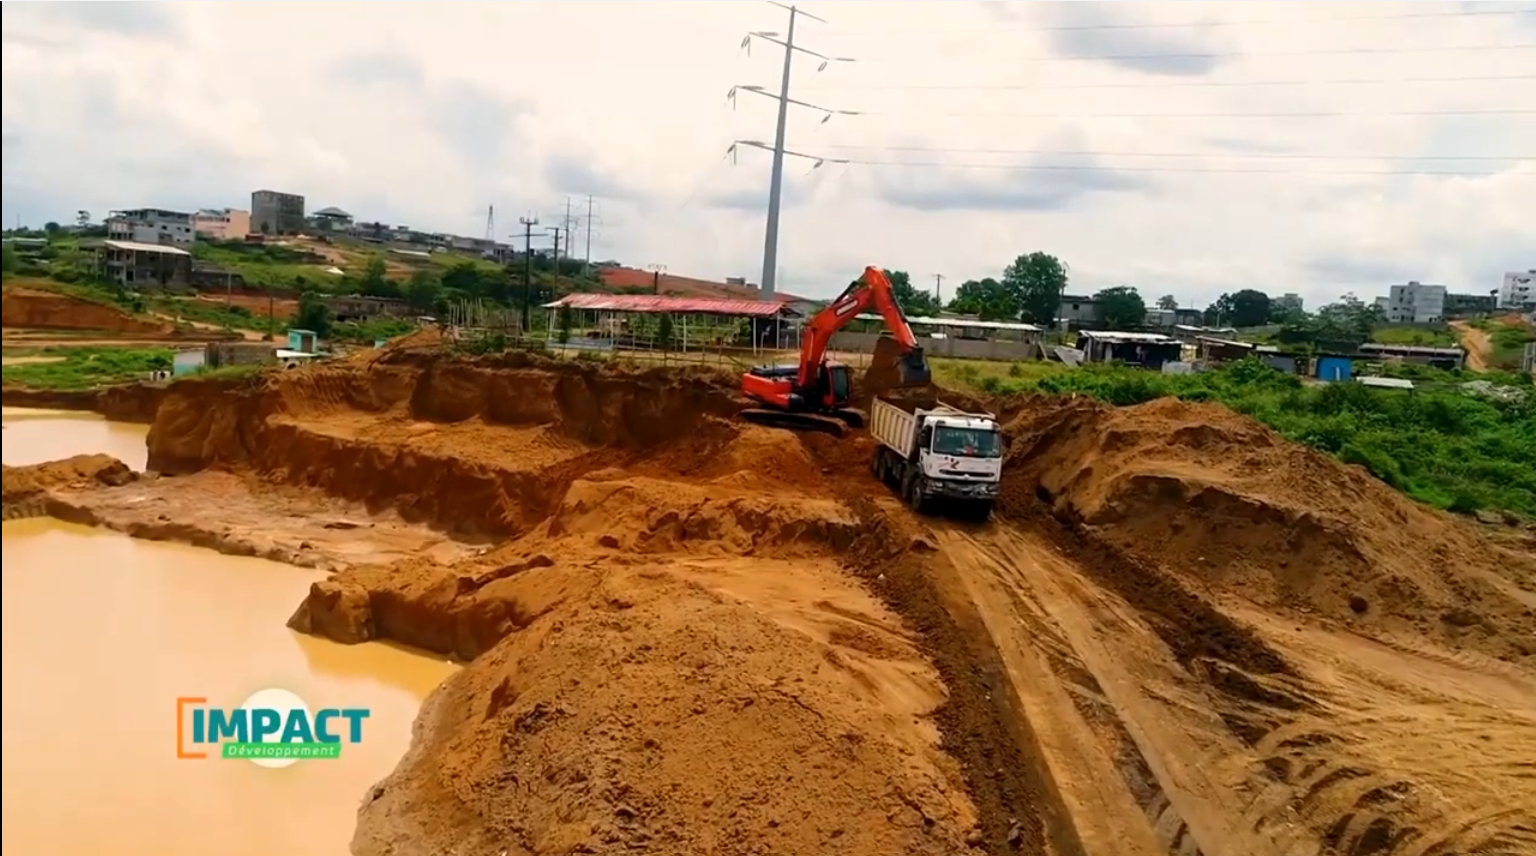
column 135, row 402
column 260, row 424
column 43, row 310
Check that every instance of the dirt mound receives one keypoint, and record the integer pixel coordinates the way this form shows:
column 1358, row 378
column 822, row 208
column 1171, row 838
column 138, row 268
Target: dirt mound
column 31, row 482
column 1235, row 510
column 47, row 310
column 655, row 713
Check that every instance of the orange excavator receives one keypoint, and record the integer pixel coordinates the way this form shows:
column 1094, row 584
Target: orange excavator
column 813, row 395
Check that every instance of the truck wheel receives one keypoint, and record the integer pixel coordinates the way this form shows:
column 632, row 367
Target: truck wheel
column 915, row 497
column 982, row 512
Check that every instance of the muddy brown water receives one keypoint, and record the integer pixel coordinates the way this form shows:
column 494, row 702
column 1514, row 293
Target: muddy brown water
column 103, row 632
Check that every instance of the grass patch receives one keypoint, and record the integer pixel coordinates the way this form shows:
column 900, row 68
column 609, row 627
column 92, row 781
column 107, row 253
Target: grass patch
column 1438, row 444
column 229, row 317
column 86, row 368
column 1508, row 343
column 1413, row 336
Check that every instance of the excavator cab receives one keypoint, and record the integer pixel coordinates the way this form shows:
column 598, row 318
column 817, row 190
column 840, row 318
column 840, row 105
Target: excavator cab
column 814, row 394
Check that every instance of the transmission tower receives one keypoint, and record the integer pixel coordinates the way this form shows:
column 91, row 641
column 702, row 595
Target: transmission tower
column 776, row 177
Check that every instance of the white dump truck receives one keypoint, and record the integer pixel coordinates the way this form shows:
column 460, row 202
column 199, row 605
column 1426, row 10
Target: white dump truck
column 938, row 456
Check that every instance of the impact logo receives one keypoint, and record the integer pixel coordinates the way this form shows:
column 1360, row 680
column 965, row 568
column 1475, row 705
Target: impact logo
column 272, row 728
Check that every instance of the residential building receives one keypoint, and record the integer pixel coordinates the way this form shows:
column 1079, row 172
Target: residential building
column 150, row 226
column 1414, row 303
column 145, row 266
column 274, row 213
column 1468, row 305
column 1077, row 311
column 222, row 224
column 332, row 220
column 1518, row 290
column 1290, row 302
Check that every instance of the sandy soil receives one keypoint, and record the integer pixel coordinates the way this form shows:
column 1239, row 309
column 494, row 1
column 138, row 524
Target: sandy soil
column 1476, row 343
column 1180, row 634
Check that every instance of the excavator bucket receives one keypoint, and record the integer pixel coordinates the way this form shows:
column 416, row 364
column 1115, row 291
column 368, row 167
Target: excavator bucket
column 891, row 370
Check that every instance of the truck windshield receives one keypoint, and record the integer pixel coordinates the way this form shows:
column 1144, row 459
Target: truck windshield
column 966, row 442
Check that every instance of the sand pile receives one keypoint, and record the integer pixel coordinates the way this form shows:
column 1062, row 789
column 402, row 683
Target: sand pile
column 48, row 310
column 1235, row 510
column 27, row 482
column 666, row 652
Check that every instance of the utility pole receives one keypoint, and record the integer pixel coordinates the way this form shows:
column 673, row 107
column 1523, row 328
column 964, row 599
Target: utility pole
column 938, row 288
column 556, row 230
column 567, row 224
column 776, row 177
column 656, row 271
column 586, row 265
column 528, row 224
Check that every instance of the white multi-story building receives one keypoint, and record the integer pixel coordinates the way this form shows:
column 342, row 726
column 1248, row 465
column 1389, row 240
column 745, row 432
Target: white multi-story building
column 1414, row 303
column 151, row 226
column 1518, row 290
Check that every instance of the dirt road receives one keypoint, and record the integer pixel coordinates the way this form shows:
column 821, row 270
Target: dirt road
column 1180, row 634
column 1476, row 343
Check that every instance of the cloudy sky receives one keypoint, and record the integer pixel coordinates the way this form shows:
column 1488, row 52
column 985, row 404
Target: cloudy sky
column 1180, row 147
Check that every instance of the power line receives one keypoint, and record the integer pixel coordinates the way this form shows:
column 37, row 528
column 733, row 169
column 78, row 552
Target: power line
column 1244, row 54
column 1165, row 84
column 1182, row 170
column 1101, row 153
column 1300, row 115
column 1469, row 13
column 826, row 159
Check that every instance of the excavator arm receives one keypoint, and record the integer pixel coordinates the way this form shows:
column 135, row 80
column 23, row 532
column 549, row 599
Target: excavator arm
column 873, row 288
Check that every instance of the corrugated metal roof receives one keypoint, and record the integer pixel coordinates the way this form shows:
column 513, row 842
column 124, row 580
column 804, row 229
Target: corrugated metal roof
column 1115, row 336
column 1386, row 382
column 921, row 321
column 1378, row 348
column 136, row 247
column 652, row 303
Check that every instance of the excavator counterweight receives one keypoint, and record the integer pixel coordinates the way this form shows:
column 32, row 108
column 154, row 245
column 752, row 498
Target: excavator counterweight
column 813, row 395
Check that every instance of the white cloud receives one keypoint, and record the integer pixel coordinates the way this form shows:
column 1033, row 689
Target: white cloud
column 425, row 113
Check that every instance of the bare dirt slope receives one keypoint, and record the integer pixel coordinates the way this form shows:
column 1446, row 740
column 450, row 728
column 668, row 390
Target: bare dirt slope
column 1266, row 651
column 26, row 308
column 1479, row 349
column 1180, row 634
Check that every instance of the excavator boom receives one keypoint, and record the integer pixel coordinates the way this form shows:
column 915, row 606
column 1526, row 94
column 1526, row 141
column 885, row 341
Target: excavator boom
column 813, row 394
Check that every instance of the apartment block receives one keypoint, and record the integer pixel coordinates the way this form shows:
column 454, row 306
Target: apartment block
column 150, row 226
column 1414, row 303
column 274, row 213
column 222, row 224
column 1518, row 290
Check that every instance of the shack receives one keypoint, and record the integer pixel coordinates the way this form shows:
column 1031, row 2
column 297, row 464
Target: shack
column 1332, row 367
column 303, row 341
column 1147, row 350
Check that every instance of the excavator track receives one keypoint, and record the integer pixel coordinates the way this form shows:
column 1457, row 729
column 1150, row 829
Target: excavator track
column 834, row 423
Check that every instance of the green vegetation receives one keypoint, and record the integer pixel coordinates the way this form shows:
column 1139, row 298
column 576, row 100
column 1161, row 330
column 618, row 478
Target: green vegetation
column 85, row 368
column 1413, row 336
column 1437, row 444
column 1508, row 343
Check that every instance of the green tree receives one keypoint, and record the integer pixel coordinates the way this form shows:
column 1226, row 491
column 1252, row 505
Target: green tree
column 313, row 314
column 1168, row 302
column 1037, row 281
column 913, row 301
column 1349, row 317
column 1121, row 307
column 422, row 290
column 51, row 228
column 463, row 277
column 375, row 283
column 9, row 261
column 1246, row 308
column 664, row 332
column 986, row 298
column 564, row 321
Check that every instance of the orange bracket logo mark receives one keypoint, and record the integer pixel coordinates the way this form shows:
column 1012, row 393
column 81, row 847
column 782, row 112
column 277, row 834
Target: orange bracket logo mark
column 182, row 703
